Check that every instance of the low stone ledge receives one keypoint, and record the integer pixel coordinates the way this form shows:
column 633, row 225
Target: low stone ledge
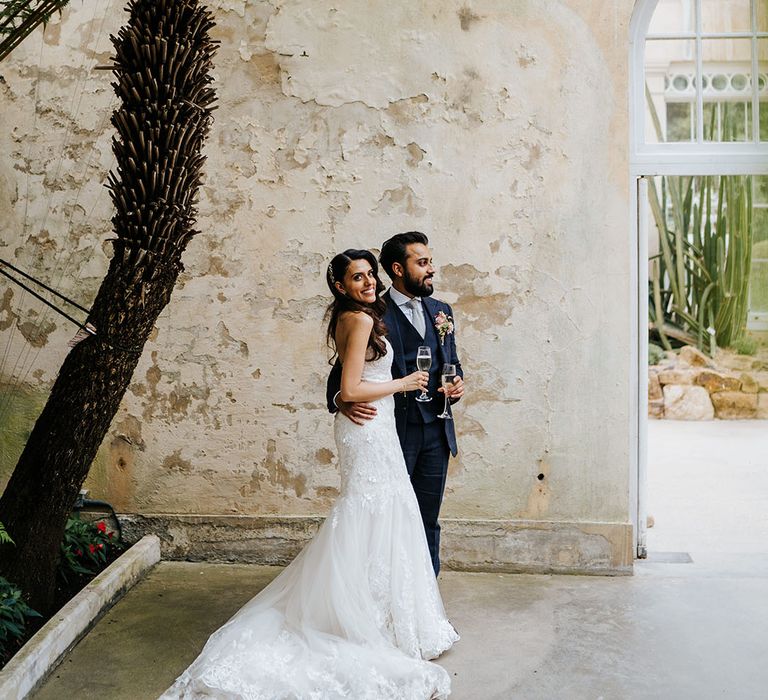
column 689, row 386
column 42, row 653
column 515, row 546
column 734, row 404
column 762, row 406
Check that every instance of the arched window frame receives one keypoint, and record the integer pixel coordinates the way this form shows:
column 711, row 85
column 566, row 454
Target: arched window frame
column 695, row 158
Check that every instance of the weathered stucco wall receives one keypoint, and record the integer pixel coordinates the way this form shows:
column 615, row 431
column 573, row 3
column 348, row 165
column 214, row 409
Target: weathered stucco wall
column 498, row 128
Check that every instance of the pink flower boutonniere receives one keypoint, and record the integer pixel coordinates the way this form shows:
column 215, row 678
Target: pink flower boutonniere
column 444, row 325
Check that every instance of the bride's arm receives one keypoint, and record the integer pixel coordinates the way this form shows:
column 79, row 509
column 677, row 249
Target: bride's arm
column 356, row 327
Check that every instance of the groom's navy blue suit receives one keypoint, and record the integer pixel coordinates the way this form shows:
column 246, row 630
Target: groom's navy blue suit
column 426, row 439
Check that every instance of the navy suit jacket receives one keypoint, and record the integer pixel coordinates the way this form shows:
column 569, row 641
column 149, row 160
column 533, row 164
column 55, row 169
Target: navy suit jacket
column 447, row 352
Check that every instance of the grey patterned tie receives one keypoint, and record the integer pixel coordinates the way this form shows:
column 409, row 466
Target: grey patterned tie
column 417, row 316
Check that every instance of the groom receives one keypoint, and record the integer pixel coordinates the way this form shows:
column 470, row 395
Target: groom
column 411, row 320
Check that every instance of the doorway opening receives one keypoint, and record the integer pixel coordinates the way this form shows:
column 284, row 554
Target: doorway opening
column 699, row 161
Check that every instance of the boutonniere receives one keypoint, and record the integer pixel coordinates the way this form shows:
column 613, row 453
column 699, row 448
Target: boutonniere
column 443, row 325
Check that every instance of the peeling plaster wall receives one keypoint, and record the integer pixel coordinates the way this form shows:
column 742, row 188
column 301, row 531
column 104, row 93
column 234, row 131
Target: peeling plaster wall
column 498, row 128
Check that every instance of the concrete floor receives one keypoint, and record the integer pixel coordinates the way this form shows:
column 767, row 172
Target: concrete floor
column 673, row 630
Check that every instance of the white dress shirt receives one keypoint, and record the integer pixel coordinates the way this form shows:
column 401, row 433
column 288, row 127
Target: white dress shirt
column 405, row 304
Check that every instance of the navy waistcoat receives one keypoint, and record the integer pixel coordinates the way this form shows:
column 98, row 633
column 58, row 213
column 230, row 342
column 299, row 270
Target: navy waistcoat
column 418, row 411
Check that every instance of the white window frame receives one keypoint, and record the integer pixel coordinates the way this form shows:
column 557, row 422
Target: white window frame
column 699, row 157
column 646, row 160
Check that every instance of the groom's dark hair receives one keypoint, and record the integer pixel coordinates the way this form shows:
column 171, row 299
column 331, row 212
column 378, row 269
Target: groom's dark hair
column 393, row 251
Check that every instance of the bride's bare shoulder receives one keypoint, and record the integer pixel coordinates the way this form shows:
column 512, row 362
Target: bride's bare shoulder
column 351, row 320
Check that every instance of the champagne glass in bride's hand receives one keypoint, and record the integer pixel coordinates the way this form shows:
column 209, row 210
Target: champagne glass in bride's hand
column 447, row 375
column 423, row 363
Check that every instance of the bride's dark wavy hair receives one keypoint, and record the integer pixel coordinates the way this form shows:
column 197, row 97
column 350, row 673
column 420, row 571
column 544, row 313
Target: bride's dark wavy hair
column 342, row 302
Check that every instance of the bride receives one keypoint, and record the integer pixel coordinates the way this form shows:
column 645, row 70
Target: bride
column 357, row 614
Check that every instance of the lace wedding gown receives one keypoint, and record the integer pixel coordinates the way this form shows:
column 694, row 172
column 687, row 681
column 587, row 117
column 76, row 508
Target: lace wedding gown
column 358, row 610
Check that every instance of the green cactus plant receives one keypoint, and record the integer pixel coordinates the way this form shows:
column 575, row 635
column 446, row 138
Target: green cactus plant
column 699, row 280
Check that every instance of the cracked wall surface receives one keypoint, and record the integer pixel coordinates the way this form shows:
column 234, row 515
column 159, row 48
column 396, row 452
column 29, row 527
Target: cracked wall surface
column 498, row 128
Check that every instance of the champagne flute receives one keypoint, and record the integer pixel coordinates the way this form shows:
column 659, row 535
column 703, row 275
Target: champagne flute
column 423, row 363
column 447, row 377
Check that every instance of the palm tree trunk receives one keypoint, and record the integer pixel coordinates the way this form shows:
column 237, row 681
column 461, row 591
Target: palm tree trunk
column 163, row 58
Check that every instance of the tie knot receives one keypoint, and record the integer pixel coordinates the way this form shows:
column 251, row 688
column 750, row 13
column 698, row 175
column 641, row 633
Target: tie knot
column 415, row 303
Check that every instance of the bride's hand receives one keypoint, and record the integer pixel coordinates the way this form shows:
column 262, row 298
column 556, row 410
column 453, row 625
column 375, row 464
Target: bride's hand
column 416, row 381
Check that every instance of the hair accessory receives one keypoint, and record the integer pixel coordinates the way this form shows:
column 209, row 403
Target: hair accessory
column 330, row 273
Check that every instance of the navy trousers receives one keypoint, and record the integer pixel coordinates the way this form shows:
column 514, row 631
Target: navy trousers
column 426, row 455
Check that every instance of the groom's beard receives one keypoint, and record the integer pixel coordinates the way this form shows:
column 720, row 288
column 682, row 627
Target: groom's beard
column 418, row 287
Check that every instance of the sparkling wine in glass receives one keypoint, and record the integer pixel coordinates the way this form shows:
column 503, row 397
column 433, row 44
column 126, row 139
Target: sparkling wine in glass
column 423, row 363
column 447, row 376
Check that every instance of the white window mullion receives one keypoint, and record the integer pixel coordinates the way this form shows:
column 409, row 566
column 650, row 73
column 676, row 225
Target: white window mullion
column 755, row 78
column 699, row 76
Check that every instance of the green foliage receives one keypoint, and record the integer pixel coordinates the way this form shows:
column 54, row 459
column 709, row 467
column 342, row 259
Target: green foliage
column 5, row 538
column 85, row 548
column 655, row 354
column 745, row 346
column 84, row 552
column 18, row 18
column 14, row 613
column 699, row 281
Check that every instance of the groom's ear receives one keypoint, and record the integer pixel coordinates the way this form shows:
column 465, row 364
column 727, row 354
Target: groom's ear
column 397, row 269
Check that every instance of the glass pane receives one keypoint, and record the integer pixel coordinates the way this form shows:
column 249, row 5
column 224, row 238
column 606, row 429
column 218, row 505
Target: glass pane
column 727, row 81
column 764, row 120
column 672, row 17
column 670, row 76
column 711, row 121
column 716, row 52
column 735, row 121
column 680, row 121
column 760, row 227
column 758, row 286
column 762, row 15
column 732, row 16
column 760, row 194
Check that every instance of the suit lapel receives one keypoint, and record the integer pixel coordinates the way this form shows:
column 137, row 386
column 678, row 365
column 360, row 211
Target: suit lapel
column 393, row 333
column 431, row 309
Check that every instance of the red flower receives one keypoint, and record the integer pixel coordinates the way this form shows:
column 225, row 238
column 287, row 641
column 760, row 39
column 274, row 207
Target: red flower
column 78, row 552
column 102, row 526
column 100, row 546
column 109, row 534
column 92, row 547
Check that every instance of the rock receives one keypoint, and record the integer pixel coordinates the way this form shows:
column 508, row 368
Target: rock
column 734, row 404
column 678, row 376
column 716, row 381
column 762, row 406
column 738, row 363
column 694, row 357
column 749, row 384
column 762, row 380
column 687, row 403
column 656, row 408
column 654, row 388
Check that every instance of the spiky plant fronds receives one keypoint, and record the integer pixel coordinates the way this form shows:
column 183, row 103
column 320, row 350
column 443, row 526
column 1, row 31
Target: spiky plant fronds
column 163, row 58
column 18, row 18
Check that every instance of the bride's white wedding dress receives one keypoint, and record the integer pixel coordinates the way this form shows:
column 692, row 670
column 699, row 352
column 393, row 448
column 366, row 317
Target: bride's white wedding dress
column 358, row 611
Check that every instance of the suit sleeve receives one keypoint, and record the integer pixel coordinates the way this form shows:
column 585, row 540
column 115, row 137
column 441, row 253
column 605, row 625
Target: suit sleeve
column 333, row 387
column 452, row 346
